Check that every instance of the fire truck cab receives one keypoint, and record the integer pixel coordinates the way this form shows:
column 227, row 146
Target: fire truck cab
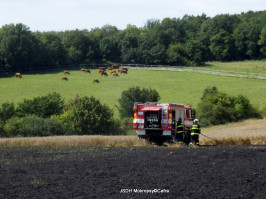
column 154, row 121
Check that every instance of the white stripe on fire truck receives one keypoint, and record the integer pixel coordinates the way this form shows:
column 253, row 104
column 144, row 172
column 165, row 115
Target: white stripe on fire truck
column 141, row 121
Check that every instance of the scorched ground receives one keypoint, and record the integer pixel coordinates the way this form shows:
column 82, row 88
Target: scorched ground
column 133, row 172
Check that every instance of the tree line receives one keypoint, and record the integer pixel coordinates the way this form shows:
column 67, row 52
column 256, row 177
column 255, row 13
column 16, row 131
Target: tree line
column 191, row 40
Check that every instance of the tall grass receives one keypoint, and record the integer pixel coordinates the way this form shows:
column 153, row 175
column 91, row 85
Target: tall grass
column 95, row 140
column 249, row 132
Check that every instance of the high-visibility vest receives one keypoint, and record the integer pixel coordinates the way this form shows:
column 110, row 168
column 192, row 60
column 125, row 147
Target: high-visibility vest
column 195, row 129
column 173, row 124
column 180, row 127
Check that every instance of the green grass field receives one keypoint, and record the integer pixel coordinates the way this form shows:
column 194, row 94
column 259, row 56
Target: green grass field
column 249, row 66
column 178, row 87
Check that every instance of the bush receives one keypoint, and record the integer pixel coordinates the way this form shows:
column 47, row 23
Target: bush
column 12, row 127
column 132, row 95
column 43, row 106
column 218, row 108
column 34, row 126
column 1, row 128
column 7, row 111
column 87, row 116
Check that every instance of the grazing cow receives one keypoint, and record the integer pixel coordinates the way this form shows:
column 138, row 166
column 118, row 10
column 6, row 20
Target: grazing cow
column 18, row 75
column 115, row 66
column 115, row 74
column 87, row 70
column 104, row 73
column 101, row 71
column 101, row 68
column 123, row 71
column 124, row 68
column 66, row 72
column 64, row 78
column 82, row 69
column 95, row 80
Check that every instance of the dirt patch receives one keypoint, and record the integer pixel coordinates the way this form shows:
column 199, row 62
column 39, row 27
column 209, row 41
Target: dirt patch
column 133, row 172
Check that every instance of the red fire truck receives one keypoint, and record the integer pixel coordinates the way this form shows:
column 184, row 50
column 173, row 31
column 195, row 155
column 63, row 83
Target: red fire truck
column 154, row 121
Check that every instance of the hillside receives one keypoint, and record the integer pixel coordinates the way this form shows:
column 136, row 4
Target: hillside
column 173, row 86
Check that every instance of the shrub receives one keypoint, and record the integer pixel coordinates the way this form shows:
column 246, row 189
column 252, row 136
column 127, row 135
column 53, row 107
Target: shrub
column 7, row 111
column 87, row 116
column 132, row 95
column 12, row 127
column 218, row 108
column 43, row 106
column 34, row 126
column 1, row 128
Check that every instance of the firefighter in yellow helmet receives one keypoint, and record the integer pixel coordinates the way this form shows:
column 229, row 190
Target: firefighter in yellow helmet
column 179, row 131
column 195, row 131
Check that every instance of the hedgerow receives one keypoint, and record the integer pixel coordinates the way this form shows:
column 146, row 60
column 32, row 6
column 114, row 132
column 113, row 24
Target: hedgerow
column 33, row 126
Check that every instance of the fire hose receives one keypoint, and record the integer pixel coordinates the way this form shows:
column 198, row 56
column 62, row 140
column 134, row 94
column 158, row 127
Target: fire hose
column 212, row 139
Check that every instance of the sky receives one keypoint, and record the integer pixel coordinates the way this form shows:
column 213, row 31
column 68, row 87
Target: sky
column 62, row 15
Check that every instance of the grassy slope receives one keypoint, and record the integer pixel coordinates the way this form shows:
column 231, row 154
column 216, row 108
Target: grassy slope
column 252, row 66
column 179, row 87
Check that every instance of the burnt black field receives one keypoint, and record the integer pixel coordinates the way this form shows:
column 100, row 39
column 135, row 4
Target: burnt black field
column 133, row 172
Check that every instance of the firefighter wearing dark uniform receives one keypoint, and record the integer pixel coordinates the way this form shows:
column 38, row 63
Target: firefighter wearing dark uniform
column 195, row 131
column 179, row 130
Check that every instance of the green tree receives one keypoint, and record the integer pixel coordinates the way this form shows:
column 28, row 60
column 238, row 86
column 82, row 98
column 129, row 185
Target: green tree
column 78, row 46
column 176, row 54
column 129, row 44
column 18, row 48
column 42, row 106
column 195, row 51
column 54, row 50
column 246, row 37
column 135, row 94
column 151, row 50
column 87, row 116
column 110, row 49
column 222, row 46
column 262, row 42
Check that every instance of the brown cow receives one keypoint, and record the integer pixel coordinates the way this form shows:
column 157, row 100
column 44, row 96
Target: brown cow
column 104, row 73
column 66, row 72
column 115, row 66
column 115, row 74
column 95, row 80
column 123, row 71
column 101, row 71
column 82, row 69
column 64, row 78
column 18, row 75
column 101, row 68
column 87, row 70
